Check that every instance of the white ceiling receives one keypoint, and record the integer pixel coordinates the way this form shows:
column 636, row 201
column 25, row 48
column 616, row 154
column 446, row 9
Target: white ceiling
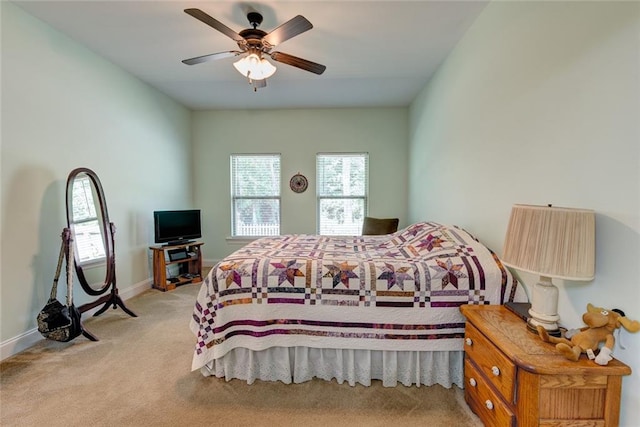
column 377, row 53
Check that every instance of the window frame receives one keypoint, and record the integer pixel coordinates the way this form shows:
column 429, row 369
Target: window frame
column 234, row 198
column 319, row 187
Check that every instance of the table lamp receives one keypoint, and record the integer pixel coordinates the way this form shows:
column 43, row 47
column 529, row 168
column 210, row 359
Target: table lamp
column 551, row 242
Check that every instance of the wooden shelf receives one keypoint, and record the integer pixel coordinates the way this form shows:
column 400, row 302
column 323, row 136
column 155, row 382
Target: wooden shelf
column 189, row 260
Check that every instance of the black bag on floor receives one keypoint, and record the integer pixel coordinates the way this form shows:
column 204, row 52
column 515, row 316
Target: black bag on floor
column 57, row 321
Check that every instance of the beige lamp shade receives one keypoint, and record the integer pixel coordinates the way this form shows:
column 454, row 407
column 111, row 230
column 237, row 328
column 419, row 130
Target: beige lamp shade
column 551, row 242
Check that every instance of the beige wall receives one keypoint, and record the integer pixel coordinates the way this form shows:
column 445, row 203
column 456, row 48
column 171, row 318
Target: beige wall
column 298, row 135
column 540, row 103
column 64, row 107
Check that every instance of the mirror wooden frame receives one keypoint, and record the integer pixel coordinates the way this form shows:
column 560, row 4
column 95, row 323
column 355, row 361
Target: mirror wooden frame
column 107, row 229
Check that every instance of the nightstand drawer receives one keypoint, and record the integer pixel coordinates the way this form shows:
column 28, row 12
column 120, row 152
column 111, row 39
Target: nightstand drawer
column 495, row 366
column 491, row 409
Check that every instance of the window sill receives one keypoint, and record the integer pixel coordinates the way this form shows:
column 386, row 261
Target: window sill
column 93, row 263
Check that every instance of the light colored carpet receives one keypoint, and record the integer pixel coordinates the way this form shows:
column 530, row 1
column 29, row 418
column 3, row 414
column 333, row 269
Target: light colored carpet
column 138, row 374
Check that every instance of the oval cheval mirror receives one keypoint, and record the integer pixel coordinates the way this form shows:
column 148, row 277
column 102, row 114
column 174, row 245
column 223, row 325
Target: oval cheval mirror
column 93, row 240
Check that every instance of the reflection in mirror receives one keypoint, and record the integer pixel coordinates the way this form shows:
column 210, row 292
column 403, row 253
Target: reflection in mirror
column 87, row 228
column 86, row 222
column 94, row 274
column 92, row 235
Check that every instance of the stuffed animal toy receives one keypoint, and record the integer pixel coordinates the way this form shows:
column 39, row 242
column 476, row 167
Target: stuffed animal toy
column 601, row 323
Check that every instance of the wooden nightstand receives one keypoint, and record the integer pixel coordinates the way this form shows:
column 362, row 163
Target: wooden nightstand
column 512, row 378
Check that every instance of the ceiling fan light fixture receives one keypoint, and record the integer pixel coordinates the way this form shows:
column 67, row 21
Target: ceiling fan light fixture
column 254, row 67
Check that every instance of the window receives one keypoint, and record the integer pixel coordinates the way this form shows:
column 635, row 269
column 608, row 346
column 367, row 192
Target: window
column 255, row 195
column 86, row 224
column 342, row 185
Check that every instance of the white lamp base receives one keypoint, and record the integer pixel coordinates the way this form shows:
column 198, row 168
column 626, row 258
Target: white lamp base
column 544, row 306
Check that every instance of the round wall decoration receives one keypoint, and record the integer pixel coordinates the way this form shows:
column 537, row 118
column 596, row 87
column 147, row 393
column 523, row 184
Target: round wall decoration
column 298, row 183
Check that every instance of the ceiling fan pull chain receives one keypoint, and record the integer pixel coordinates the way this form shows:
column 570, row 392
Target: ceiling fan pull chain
column 252, row 83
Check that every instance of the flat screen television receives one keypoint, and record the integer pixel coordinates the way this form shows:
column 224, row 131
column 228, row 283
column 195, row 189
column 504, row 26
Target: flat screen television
column 177, row 227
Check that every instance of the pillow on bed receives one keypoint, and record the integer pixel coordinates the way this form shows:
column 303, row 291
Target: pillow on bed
column 378, row 226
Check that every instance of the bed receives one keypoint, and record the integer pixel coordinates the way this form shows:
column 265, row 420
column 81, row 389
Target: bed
column 351, row 308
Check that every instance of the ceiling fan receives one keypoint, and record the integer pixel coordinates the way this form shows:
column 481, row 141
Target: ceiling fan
column 254, row 44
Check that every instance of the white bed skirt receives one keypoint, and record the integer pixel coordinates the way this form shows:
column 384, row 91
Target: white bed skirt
column 300, row 364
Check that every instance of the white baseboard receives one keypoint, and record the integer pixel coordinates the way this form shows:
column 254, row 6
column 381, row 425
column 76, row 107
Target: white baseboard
column 209, row 262
column 134, row 290
column 17, row 344
column 25, row 340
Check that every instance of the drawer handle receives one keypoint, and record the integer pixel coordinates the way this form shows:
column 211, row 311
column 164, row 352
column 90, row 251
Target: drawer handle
column 488, row 404
column 473, row 382
column 495, row 370
column 468, row 341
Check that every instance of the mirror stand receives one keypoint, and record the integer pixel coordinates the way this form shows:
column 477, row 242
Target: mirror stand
column 66, row 241
column 112, row 298
column 86, row 333
column 93, row 237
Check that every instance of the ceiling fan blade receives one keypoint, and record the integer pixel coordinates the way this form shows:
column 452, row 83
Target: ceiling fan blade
column 289, row 29
column 298, row 62
column 214, row 23
column 211, row 57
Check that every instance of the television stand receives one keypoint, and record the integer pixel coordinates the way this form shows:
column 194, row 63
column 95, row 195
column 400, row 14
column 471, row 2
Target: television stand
column 190, row 264
column 178, row 243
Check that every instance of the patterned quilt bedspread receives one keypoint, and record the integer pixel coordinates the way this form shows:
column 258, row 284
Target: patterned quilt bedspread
column 396, row 292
